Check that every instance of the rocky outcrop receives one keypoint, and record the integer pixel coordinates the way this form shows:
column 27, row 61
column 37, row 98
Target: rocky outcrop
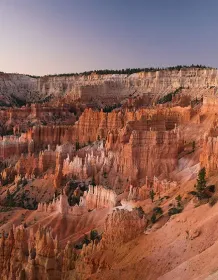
column 11, row 146
column 96, row 197
column 120, row 227
column 94, row 125
column 158, row 186
column 149, row 153
column 13, row 253
column 99, row 197
column 48, row 159
column 24, row 255
column 61, row 206
column 209, row 155
column 89, row 162
column 28, row 255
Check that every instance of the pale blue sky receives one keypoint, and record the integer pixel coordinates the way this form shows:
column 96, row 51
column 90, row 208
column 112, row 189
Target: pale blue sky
column 59, row 36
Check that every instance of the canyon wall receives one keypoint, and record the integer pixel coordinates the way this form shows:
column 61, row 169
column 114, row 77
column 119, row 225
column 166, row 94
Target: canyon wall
column 92, row 126
column 116, row 87
column 209, row 155
column 105, row 89
column 15, row 88
column 149, row 153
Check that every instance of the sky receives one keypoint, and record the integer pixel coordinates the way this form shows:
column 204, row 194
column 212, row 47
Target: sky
column 42, row 37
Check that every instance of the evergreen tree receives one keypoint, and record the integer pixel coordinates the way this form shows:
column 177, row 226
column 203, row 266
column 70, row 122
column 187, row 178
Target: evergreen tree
column 93, row 234
column 178, row 200
column 201, row 181
column 152, row 194
column 86, row 240
column 153, row 218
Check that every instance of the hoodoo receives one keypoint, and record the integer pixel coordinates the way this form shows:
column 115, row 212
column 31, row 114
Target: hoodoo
column 106, row 189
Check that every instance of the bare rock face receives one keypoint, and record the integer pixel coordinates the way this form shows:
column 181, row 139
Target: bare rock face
column 105, row 89
column 94, row 125
column 12, row 146
column 149, row 153
column 209, row 141
column 51, row 162
column 16, row 88
column 24, row 256
column 138, row 144
column 122, row 226
column 115, row 127
column 99, row 197
column 209, row 155
column 158, row 186
column 13, row 252
column 61, row 206
column 113, row 88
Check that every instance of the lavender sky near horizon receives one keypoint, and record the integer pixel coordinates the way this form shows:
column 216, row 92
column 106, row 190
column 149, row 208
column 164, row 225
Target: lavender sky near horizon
column 63, row 36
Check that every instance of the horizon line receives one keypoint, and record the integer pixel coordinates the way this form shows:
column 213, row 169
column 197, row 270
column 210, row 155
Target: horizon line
column 123, row 71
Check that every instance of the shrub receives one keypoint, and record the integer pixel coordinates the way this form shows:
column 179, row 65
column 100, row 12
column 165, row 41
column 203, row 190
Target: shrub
column 86, row 240
column 108, row 109
column 168, row 97
column 173, row 211
column 78, row 246
column 73, row 200
column 10, row 199
column 165, row 98
column 153, row 218
column 141, row 212
column 158, row 210
column 152, row 194
column 93, row 234
column 178, row 200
